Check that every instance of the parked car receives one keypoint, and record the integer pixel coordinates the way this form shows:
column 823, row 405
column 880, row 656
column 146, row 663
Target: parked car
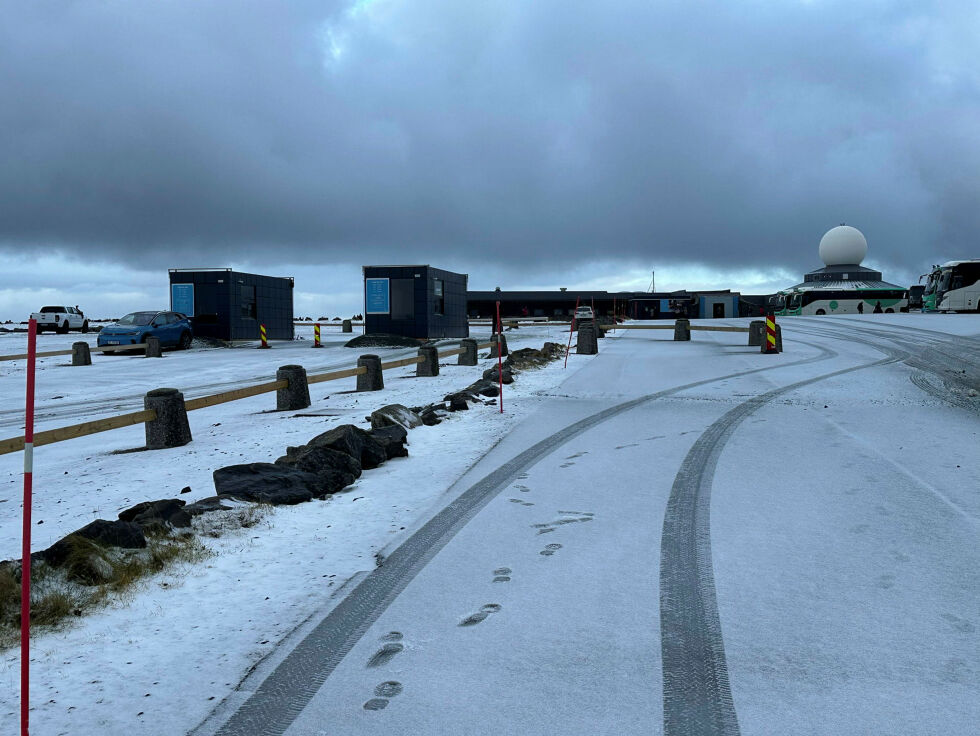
column 172, row 328
column 584, row 313
column 60, row 319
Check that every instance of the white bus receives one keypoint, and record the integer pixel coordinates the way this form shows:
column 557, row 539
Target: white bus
column 953, row 287
column 838, row 301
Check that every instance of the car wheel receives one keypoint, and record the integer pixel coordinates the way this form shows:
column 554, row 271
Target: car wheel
column 40, row 329
column 64, row 328
column 820, row 311
column 889, row 311
column 85, row 326
column 185, row 341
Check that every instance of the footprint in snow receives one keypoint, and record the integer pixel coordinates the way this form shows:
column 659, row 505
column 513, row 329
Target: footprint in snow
column 474, row 618
column 550, row 549
column 384, row 691
column 522, row 503
column 392, row 646
column 502, row 575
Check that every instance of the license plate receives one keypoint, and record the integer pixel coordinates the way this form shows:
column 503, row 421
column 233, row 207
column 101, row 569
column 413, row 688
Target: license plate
column 112, row 342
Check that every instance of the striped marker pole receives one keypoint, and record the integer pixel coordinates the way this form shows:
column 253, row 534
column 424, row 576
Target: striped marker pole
column 500, row 365
column 25, row 577
column 316, row 336
column 770, row 346
column 265, row 340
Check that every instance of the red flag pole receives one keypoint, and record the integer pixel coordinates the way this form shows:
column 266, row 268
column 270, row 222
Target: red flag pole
column 570, row 331
column 500, row 365
column 25, row 575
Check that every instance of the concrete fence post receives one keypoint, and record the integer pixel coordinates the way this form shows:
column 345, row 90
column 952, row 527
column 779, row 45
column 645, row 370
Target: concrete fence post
column 682, row 329
column 599, row 332
column 469, row 354
column 345, row 326
column 499, row 340
column 779, row 339
column 373, row 380
column 757, row 332
column 153, row 348
column 297, row 394
column 587, row 343
column 170, row 428
column 81, row 354
column 430, row 365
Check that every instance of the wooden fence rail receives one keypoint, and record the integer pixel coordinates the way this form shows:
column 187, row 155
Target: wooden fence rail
column 73, row 431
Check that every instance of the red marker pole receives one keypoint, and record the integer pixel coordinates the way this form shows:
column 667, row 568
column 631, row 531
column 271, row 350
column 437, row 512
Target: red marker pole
column 570, row 331
column 25, row 577
column 500, row 365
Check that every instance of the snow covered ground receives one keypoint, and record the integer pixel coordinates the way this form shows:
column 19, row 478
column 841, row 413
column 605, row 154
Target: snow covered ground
column 843, row 529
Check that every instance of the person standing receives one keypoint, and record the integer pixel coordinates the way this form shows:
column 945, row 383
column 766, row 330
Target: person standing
column 877, row 309
column 860, row 307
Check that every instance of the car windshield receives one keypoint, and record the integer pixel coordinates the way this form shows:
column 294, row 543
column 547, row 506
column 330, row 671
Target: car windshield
column 137, row 318
column 52, row 309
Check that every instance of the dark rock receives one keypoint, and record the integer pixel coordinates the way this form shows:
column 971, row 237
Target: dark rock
column 123, row 534
column 458, row 403
column 211, row 503
column 430, row 418
column 334, row 470
column 395, row 414
column 491, row 375
column 353, row 441
column 380, row 340
column 484, row 388
column 393, row 439
column 266, row 483
column 160, row 514
column 185, row 489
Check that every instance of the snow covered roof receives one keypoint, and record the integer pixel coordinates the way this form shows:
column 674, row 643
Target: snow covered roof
column 847, row 285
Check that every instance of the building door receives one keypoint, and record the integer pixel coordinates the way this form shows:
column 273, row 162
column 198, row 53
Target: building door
column 718, row 310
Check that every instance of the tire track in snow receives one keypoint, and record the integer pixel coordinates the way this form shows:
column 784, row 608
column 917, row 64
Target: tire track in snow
column 697, row 695
column 280, row 698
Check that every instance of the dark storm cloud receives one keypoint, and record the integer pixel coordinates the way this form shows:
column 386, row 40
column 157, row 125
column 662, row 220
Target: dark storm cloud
column 730, row 134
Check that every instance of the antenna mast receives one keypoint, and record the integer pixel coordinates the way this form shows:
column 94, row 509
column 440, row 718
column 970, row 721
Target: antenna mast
column 653, row 282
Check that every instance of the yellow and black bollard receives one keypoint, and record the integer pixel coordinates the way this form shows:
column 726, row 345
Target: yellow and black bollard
column 316, row 336
column 265, row 340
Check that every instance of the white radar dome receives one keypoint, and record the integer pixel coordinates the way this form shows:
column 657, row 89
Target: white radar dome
column 843, row 245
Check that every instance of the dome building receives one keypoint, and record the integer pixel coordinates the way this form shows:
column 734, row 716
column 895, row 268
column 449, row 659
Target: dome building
column 843, row 285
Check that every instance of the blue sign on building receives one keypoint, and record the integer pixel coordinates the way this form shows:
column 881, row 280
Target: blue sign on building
column 182, row 298
column 376, row 299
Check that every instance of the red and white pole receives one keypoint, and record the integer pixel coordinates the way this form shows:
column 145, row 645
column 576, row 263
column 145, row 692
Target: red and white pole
column 316, row 336
column 25, row 576
column 500, row 364
column 570, row 331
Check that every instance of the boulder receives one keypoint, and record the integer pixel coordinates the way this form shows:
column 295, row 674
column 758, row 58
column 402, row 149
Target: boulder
column 393, row 438
column 211, row 503
column 106, row 533
column 353, row 441
column 334, row 470
column 491, row 375
column 395, row 414
column 485, row 388
column 458, row 402
column 266, row 483
column 160, row 514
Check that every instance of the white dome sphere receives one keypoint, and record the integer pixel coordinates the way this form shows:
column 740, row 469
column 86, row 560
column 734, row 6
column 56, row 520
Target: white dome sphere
column 843, row 245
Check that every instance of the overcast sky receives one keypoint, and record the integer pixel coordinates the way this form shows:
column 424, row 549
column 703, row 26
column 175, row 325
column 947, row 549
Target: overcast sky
column 529, row 144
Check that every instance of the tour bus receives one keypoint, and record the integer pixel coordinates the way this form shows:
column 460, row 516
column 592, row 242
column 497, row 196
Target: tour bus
column 838, row 301
column 953, row 287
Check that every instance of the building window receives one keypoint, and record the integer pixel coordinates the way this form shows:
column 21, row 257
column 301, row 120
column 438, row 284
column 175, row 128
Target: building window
column 246, row 300
column 402, row 299
column 440, row 305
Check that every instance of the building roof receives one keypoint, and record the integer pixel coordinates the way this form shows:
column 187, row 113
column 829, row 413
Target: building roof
column 847, row 285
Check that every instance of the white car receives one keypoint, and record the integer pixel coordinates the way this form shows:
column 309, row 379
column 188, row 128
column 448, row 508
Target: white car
column 60, row 319
column 584, row 313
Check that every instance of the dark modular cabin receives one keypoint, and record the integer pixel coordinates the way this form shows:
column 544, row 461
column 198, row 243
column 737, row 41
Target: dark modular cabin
column 415, row 301
column 230, row 305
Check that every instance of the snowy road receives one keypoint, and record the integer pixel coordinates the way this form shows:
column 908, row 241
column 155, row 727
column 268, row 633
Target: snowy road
column 686, row 539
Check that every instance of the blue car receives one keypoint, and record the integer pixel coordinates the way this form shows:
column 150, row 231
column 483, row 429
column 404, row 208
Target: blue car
column 172, row 328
